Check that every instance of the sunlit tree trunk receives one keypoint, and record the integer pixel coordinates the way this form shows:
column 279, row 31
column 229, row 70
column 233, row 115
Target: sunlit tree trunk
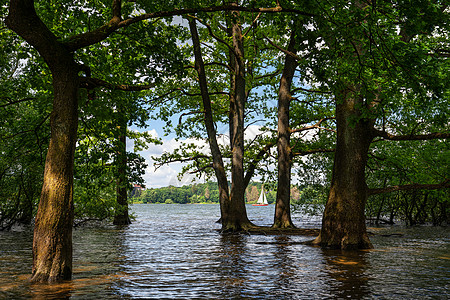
column 282, row 217
column 343, row 223
column 52, row 242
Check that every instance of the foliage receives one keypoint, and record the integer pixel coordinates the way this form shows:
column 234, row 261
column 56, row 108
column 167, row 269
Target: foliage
column 312, row 199
column 406, row 162
column 24, row 129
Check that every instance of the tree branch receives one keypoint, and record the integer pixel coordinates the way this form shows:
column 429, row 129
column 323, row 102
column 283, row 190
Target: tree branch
column 411, row 137
column 91, row 83
column 295, row 56
column 15, row 102
column 252, row 25
column 101, row 33
column 310, row 91
column 408, row 187
column 180, row 159
column 307, row 152
column 252, row 166
column 317, row 126
column 226, row 7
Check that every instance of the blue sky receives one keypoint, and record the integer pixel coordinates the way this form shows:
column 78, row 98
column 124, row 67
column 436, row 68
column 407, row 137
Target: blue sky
column 168, row 174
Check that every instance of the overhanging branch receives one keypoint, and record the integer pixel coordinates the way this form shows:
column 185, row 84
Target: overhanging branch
column 101, row 33
column 411, row 137
column 91, row 83
column 409, row 187
column 312, row 151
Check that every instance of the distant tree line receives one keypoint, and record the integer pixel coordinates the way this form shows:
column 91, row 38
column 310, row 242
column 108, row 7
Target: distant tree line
column 201, row 193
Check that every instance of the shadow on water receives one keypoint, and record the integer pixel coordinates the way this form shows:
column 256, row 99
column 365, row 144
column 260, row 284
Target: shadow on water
column 347, row 273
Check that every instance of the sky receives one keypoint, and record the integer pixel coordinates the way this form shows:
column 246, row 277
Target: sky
column 168, row 174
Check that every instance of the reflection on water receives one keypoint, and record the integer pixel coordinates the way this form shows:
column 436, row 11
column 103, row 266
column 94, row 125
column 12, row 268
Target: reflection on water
column 347, row 270
column 175, row 251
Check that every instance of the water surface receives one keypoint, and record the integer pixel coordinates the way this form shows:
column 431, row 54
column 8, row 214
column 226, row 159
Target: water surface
column 175, row 252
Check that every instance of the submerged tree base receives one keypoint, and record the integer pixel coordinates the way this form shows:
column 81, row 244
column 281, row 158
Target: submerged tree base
column 345, row 243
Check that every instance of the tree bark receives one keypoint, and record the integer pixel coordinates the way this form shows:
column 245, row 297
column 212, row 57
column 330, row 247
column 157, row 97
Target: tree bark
column 121, row 217
column 343, row 223
column 52, row 243
column 282, row 218
column 218, row 165
column 235, row 214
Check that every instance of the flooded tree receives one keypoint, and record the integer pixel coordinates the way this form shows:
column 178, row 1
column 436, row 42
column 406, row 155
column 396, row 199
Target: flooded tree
column 282, row 218
column 52, row 243
column 361, row 56
column 232, row 204
column 363, row 87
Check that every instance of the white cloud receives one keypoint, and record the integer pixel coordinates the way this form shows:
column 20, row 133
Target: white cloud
column 168, row 174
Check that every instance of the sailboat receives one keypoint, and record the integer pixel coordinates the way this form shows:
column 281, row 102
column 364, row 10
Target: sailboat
column 262, row 200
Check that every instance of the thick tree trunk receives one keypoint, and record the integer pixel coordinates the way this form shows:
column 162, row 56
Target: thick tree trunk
column 121, row 217
column 52, row 243
column 343, row 223
column 282, row 217
column 234, row 216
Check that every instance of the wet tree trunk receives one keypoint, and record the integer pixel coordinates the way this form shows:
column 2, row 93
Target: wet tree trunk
column 343, row 223
column 121, row 217
column 282, row 218
column 52, row 243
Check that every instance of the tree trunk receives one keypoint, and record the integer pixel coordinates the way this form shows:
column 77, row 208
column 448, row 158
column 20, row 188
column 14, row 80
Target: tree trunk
column 121, row 217
column 282, row 217
column 234, row 216
column 218, row 166
column 343, row 223
column 52, row 243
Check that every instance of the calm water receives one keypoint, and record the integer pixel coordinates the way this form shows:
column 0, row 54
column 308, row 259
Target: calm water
column 175, row 252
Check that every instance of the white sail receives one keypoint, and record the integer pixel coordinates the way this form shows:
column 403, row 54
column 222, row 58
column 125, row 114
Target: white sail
column 262, row 197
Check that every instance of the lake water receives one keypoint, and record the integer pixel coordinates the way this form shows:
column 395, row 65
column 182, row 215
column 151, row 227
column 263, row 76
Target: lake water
column 175, row 252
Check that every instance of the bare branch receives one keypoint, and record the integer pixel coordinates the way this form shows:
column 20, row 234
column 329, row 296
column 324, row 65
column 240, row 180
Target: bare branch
column 315, row 126
column 253, row 24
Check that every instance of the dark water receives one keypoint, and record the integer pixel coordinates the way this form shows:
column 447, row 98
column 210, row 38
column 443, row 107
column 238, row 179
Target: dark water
column 175, row 252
